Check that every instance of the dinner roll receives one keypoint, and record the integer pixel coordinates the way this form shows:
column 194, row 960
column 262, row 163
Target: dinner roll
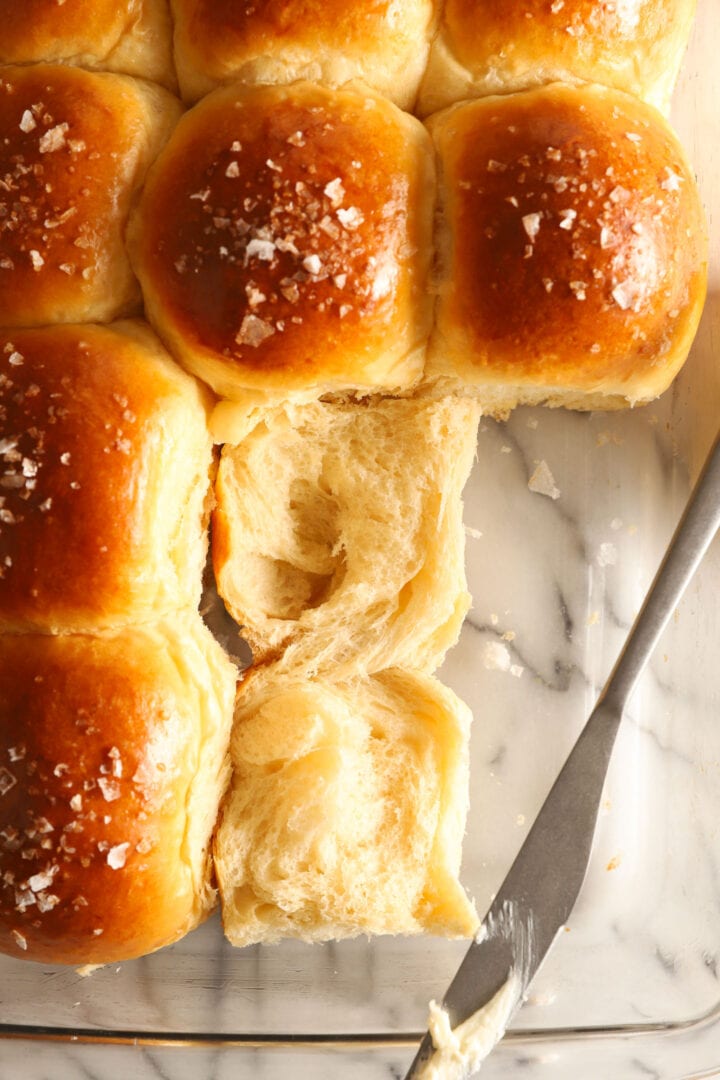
column 338, row 541
column 281, row 41
column 134, row 36
column 346, row 810
column 105, row 463
column 485, row 47
column 74, row 148
column 573, row 255
column 113, row 759
column 282, row 242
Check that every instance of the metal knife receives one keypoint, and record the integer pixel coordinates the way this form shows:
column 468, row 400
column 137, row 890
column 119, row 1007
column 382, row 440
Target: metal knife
column 540, row 891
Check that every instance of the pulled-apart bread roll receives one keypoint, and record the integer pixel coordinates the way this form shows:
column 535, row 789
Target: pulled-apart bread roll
column 281, row 41
column 572, row 250
column 338, row 542
column 74, row 149
column 346, row 810
column 113, row 760
column 105, row 460
column 132, row 36
column 490, row 47
column 282, row 243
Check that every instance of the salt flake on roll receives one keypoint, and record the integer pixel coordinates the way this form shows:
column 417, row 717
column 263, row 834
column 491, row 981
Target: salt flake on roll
column 283, row 243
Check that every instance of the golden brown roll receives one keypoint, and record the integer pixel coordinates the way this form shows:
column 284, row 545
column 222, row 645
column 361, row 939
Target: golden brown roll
column 573, row 254
column 105, row 459
column 346, row 811
column 113, row 759
column 490, row 47
column 281, row 41
column 282, row 242
column 133, row 36
column 338, row 541
column 74, row 148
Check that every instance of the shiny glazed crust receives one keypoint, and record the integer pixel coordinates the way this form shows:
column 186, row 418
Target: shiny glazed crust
column 133, row 37
column 281, row 41
column 112, row 763
column 104, row 473
column 74, row 148
column 573, row 258
column 283, row 240
column 490, row 47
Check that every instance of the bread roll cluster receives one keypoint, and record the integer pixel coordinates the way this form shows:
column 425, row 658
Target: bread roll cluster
column 338, row 290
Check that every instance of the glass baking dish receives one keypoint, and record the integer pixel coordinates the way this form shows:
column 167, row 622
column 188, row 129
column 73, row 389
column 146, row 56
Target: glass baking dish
column 633, row 987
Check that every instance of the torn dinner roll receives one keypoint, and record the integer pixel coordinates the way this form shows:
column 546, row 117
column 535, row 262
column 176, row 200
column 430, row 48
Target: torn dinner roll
column 346, row 810
column 338, row 542
column 74, row 149
column 484, row 47
column 131, row 36
column 113, row 759
column 105, row 460
column 572, row 260
column 283, row 240
column 384, row 43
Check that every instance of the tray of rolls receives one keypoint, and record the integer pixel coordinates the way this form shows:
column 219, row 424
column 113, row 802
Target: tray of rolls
column 355, row 363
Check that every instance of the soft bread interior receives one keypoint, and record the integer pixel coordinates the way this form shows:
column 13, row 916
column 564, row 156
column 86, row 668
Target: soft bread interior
column 347, row 809
column 338, row 541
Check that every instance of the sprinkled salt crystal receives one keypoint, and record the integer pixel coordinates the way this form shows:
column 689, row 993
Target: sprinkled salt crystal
column 236, row 147
column 516, row 670
column 339, row 281
column 622, row 294
column 273, row 165
column 607, row 555
column 233, row 169
column 76, row 803
column 312, row 264
column 605, row 237
column 296, row 139
column 542, row 481
column 472, row 532
column 548, row 283
column 16, row 753
column 36, row 259
column 351, row 217
column 531, row 224
column 496, row 656
column 20, row 941
column 672, row 181
column 202, row 196
column 568, row 216
column 335, row 191
column 633, row 136
column 47, row 901
column 65, row 458
column 260, row 249
column 117, row 855
column 53, row 139
column 7, row 781
column 109, row 788
column 15, row 359
column 43, row 880
column 253, row 331
column 579, row 288
column 495, row 166
column 27, row 122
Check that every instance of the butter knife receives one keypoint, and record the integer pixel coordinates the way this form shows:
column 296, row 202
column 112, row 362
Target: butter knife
column 540, row 890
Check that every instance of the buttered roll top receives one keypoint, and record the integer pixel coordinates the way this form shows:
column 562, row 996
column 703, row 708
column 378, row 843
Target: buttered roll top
column 490, row 47
column 383, row 42
column 74, row 148
column 573, row 255
column 130, row 36
column 283, row 240
column 104, row 474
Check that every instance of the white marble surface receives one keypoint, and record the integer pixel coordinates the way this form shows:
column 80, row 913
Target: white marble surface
column 561, row 579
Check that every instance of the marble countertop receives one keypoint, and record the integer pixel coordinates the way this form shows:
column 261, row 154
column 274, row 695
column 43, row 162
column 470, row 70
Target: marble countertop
column 556, row 583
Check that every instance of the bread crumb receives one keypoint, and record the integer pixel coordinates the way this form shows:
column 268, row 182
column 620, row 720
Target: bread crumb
column 496, row 656
column 542, row 482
